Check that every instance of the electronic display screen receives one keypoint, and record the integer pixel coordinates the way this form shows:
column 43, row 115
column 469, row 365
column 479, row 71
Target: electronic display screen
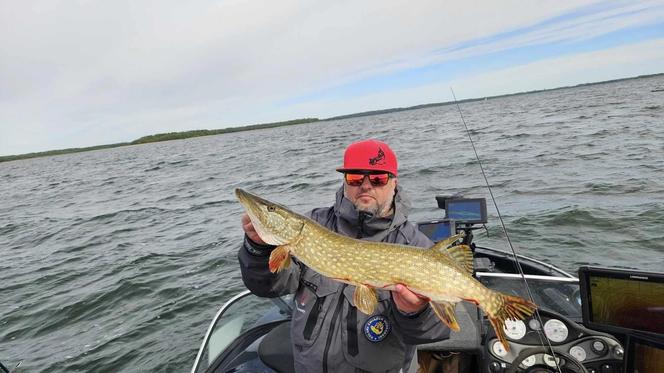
column 437, row 230
column 644, row 356
column 466, row 210
column 622, row 301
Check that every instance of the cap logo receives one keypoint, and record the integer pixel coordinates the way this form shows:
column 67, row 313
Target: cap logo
column 378, row 159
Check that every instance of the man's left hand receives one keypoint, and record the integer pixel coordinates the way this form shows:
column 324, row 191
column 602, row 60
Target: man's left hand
column 407, row 301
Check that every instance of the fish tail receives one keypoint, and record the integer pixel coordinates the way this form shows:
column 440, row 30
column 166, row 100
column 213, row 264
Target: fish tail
column 503, row 307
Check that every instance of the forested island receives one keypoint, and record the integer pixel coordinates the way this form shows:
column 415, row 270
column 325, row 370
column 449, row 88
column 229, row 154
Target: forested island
column 160, row 137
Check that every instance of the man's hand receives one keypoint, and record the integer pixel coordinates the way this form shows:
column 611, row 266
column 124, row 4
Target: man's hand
column 407, row 301
column 250, row 230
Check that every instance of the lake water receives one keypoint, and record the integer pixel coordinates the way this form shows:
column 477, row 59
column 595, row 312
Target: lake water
column 118, row 259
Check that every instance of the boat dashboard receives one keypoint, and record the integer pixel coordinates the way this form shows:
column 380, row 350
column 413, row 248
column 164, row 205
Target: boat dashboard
column 553, row 342
column 242, row 336
column 552, row 339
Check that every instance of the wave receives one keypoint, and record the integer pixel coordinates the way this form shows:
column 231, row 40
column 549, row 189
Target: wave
column 127, row 212
column 570, row 217
column 205, row 205
column 9, row 228
column 604, row 188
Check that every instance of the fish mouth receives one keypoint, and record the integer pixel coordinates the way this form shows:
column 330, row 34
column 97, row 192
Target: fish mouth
column 246, row 198
column 253, row 206
column 251, row 202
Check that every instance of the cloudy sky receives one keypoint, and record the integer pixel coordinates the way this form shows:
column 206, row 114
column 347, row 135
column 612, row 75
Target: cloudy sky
column 80, row 73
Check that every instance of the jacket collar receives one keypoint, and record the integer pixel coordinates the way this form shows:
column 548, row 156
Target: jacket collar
column 358, row 224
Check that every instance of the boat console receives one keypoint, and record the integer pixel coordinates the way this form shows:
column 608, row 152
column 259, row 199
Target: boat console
column 580, row 329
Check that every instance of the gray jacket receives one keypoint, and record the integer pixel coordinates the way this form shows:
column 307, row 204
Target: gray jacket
column 329, row 334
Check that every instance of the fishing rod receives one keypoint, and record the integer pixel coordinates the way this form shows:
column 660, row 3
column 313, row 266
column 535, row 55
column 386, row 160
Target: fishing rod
column 509, row 241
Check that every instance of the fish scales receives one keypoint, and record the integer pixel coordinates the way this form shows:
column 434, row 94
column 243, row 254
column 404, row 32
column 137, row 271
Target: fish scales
column 380, row 264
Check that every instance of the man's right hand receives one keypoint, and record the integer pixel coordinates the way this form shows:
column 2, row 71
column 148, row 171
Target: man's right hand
column 249, row 229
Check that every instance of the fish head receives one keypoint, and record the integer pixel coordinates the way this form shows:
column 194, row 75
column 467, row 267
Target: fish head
column 275, row 224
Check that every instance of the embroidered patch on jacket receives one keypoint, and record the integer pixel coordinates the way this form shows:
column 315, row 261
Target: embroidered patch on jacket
column 376, row 328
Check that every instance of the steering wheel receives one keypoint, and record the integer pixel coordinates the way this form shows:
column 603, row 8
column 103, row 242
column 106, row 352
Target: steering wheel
column 543, row 350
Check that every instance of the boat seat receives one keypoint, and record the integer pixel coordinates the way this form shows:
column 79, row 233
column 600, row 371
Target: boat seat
column 276, row 350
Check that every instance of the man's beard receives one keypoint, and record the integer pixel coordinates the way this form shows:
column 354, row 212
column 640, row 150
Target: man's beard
column 376, row 209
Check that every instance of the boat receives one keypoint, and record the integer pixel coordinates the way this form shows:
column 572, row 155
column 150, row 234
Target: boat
column 251, row 334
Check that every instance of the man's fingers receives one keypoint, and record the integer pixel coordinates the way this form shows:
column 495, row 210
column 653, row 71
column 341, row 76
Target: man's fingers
column 247, row 225
column 407, row 301
column 249, row 229
column 406, row 294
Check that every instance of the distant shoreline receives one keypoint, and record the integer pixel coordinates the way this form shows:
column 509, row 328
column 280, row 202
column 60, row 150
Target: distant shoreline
column 197, row 133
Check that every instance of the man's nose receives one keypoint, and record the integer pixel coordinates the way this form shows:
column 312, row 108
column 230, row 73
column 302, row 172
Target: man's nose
column 366, row 184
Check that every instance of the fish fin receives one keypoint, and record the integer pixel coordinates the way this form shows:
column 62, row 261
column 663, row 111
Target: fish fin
column 499, row 327
column 508, row 307
column 445, row 312
column 440, row 246
column 279, row 259
column 365, row 299
column 463, row 255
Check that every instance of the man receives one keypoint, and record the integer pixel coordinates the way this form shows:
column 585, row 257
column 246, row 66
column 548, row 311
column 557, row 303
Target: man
column 328, row 333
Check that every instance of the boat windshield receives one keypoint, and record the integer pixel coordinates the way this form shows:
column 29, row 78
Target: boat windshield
column 239, row 314
column 557, row 294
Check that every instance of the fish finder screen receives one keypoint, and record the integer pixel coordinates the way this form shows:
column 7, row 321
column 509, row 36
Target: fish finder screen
column 623, row 301
column 466, row 210
column 437, row 230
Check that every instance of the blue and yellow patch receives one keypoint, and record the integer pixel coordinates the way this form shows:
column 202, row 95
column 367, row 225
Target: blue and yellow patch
column 376, row 328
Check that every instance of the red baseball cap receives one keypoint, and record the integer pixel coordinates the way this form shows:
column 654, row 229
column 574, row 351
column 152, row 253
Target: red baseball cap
column 369, row 155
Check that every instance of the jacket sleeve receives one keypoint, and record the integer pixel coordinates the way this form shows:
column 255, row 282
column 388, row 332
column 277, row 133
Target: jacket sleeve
column 423, row 327
column 257, row 276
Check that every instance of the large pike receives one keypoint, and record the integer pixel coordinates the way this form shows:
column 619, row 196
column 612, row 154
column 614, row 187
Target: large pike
column 441, row 274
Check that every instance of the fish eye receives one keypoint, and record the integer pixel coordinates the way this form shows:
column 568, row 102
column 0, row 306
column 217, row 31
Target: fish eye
column 270, row 208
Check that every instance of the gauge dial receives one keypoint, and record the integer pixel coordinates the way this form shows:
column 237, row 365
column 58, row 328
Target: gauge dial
column 529, row 361
column 534, row 324
column 550, row 361
column 556, row 330
column 578, row 352
column 598, row 346
column 498, row 349
column 515, row 329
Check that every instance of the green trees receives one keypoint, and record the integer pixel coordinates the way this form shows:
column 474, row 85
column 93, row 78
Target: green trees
column 159, row 137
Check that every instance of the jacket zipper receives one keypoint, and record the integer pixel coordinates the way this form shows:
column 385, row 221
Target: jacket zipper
column 361, row 218
column 313, row 317
column 351, row 331
column 333, row 324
